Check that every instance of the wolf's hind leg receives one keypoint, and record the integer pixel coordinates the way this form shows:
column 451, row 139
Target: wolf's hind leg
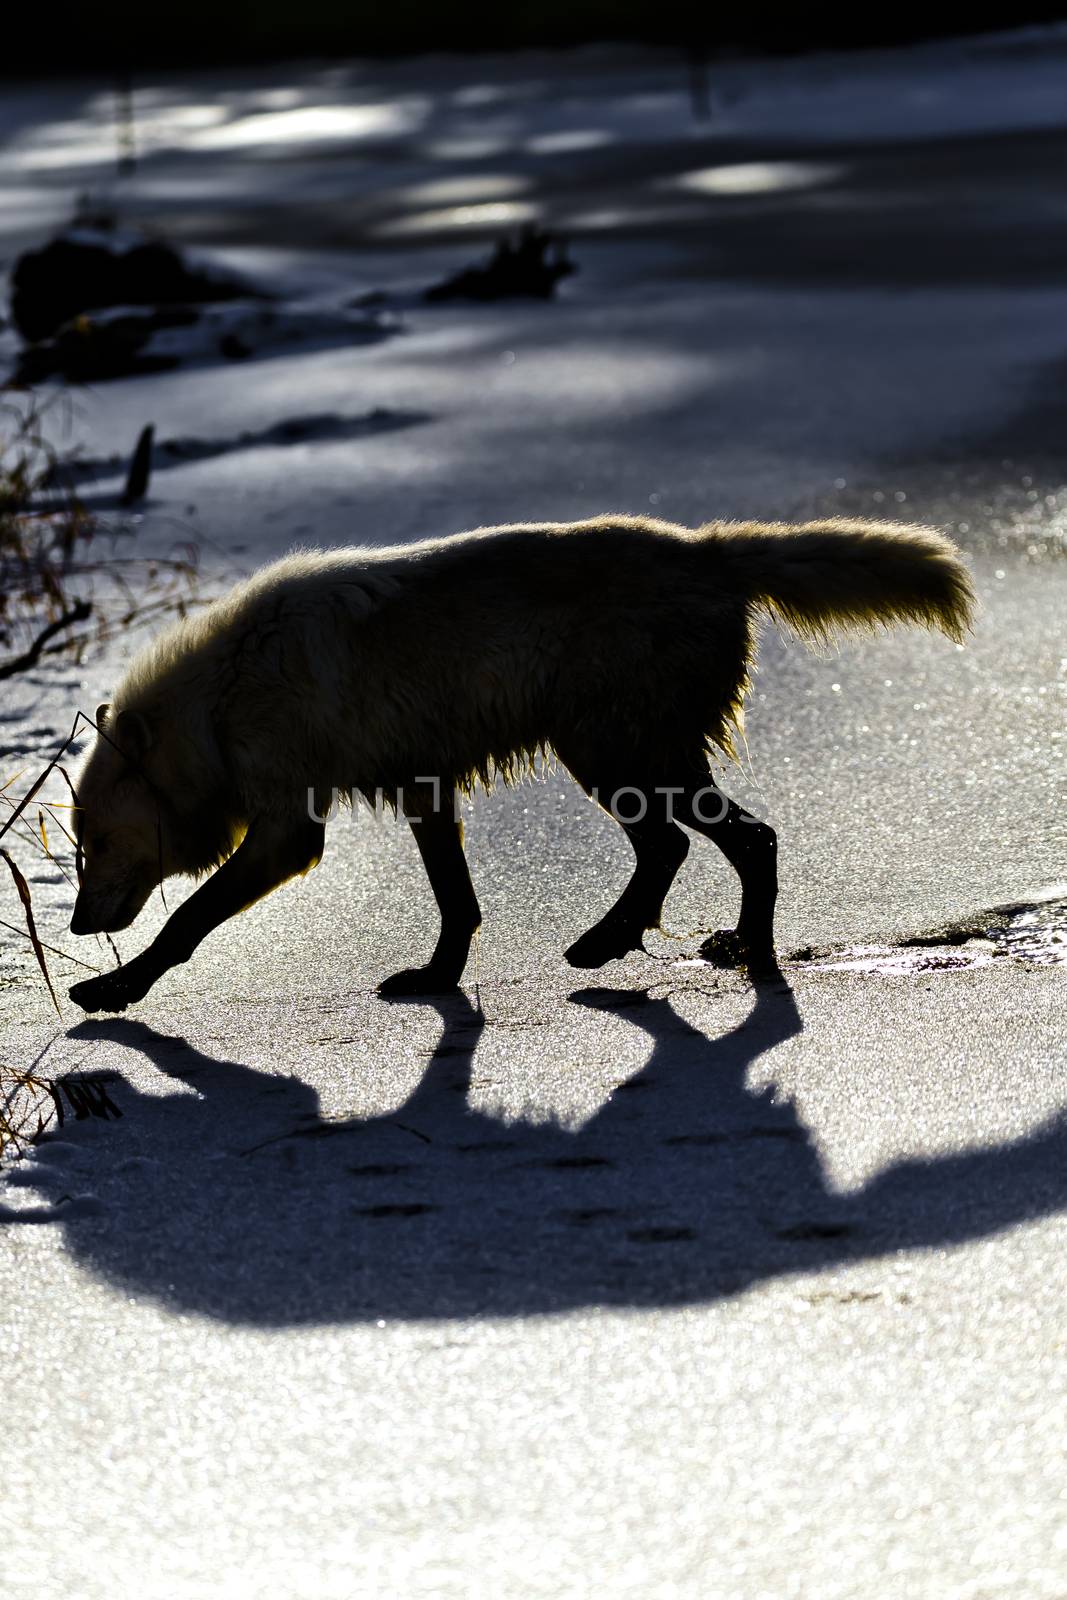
column 660, row 847
column 439, row 836
column 751, row 848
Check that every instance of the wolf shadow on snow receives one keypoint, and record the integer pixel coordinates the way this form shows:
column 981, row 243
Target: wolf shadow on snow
column 243, row 1203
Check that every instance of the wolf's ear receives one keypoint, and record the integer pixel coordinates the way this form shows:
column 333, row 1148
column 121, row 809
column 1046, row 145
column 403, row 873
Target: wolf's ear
column 133, row 734
column 101, row 712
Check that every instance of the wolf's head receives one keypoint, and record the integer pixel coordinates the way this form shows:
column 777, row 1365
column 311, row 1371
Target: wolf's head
column 123, row 829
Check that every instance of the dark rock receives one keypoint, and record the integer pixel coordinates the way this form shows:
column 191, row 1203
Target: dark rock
column 233, row 347
column 528, row 266
column 90, row 349
column 87, row 270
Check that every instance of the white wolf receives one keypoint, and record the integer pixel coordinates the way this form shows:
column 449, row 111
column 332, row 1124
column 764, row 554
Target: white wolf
column 621, row 644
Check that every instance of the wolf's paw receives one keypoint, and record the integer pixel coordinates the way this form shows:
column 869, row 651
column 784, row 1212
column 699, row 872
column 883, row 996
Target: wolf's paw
column 727, row 949
column 724, row 949
column 418, row 980
column 602, row 944
column 111, row 991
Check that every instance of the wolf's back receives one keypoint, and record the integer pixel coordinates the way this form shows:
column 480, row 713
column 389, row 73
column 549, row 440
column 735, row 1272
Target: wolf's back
column 847, row 573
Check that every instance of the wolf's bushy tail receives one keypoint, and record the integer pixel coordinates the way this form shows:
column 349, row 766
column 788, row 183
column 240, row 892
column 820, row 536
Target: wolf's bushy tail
column 848, row 574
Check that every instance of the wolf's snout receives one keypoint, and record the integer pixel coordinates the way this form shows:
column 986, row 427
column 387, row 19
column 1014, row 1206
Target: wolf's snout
column 109, row 910
column 81, row 921
column 90, row 918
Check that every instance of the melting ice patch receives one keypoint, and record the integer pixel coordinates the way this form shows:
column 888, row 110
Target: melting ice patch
column 1033, row 931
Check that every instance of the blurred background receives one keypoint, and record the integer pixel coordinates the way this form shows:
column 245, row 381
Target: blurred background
column 269, row 30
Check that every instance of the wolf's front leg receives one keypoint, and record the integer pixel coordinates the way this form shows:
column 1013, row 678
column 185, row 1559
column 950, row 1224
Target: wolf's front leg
column 270, row 853
column 114, row 991
column 439, row 836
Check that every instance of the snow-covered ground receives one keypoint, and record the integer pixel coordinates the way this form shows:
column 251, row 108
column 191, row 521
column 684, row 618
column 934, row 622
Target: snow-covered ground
column 646, row 1289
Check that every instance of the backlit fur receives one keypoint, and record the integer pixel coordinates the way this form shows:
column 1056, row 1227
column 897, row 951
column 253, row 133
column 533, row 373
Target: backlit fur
column 359, row 669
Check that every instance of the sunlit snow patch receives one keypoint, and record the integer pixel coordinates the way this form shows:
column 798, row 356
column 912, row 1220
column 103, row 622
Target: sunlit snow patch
column 756, row 177
column 314, row 125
